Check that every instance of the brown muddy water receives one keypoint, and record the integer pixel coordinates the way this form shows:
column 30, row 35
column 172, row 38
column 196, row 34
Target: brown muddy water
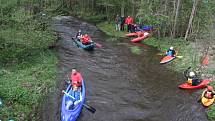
column 121, row 85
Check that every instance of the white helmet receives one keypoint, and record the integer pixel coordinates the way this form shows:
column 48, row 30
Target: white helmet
column 171, row 48
column 191, row 74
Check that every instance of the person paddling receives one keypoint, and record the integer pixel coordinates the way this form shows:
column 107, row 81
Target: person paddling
column 192, row 77
column 79, row 35
column 171, row 52
column 76, row 80
column 86, row 39
column 208, row 93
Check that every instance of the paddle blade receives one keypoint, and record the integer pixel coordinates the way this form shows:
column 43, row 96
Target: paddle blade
column 179, row 56
column 205, row 60
column 91, row 109
column 98, row 45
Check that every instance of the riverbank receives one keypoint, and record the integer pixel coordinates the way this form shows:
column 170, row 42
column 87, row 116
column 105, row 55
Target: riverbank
column 27, row 61
column 192, row 53
column 23, row 86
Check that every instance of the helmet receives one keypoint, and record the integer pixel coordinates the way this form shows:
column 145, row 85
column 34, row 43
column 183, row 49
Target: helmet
column 171, row 48
column 210, row 88
column 191, row 74
column 79, row 30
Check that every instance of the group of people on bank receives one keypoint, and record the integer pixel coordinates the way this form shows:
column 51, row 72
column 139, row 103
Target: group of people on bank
column 121, row 21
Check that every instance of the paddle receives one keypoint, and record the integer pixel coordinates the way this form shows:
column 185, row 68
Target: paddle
column 90, row 108
column 98, row 45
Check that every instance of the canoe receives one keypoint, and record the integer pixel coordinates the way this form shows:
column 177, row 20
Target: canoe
column 207, row 102
column 71, row 112
column 85, row 47
column 145, row 35
column 167, row 59
column 203, row 84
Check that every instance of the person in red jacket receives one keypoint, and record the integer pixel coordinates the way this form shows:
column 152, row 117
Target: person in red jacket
column 86, row 39
column 76, row 79
column 129, row 21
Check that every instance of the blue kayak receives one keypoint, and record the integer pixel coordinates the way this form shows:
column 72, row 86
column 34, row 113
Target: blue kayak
column 85, row 47
column 71, row 108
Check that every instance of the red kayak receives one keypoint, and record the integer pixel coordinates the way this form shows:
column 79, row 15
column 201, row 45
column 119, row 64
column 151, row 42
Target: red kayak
column 144, row 36
column 201, row 85
column 167, row 59
column 134, row 34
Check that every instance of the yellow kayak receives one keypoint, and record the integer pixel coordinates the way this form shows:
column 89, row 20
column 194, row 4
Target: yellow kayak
column 207, row 102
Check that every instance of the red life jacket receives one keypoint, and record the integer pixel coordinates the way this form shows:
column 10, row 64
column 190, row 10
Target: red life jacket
column 76, row 79
column 129, row 20
column 85, row 39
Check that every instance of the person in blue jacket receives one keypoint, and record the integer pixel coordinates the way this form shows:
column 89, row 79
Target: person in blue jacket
column 171, row 52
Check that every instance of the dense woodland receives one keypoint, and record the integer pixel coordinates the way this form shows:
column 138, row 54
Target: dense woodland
column 172, row 18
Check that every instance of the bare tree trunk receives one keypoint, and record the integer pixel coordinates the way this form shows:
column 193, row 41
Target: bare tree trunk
column 165, row 13
column 195, row 3
column 123, row 8
column 174, row 9
column 133, row 8
column 176, row 16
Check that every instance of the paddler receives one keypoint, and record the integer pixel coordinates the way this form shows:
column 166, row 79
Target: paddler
column 76, row 80
column 208, row 93
column 171, row 52
column 79, row 35
column 86, row 39
column 192, row 77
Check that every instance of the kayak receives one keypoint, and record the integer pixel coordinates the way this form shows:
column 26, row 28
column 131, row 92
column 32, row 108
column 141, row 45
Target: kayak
column 131, row 34
column 167, row 59
column 145, row 35
column 147, row 28
column 85, row 47
column 134, row 34
column 203, row 84
column 207, row 102
column 70, row 112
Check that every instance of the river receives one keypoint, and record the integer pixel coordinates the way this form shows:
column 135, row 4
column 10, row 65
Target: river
column 121, row 85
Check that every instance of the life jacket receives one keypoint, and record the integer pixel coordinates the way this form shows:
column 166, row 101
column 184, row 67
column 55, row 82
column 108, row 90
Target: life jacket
column 129, row 20
column 189, row 81
column 85, row 39
column 170, row 53
column 76, row 79
column 209, row 94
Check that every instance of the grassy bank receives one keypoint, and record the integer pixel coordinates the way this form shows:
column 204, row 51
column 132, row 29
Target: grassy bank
column 24, row 85
column 27, row 66
column 189, row 50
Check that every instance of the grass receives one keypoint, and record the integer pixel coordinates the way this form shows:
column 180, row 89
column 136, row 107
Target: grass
column 24, row 85
column 109, row 29
column 136, row 50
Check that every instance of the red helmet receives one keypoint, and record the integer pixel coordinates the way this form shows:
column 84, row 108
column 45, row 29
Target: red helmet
column 210, row 88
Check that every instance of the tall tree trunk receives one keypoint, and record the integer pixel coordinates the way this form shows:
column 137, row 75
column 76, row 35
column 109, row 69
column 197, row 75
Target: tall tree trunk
column 176, row 17
column 133, row 8
column 172, row 17
column 123, row 8
column 195, row 3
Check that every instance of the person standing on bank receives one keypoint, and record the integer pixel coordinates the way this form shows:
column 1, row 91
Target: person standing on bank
column 122, row 23
column 129, row 21
column 117, row 23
